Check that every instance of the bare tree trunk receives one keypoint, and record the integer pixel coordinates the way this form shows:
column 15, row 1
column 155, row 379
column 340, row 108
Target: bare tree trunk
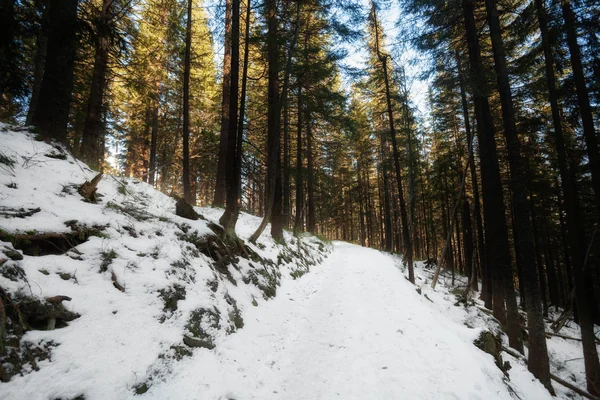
column 154, row 138
column 403, row 214
column 583, row 99
column 311, row 221
column 220, row 186
column 286, row 163
column 51, row 114
column 274, row 113
column 40, row 60
column 93, row 129
column 230, row 216
column 298, row 223
column 575, row 227
column 189, row 197
column 539, row 363
column 498, row 254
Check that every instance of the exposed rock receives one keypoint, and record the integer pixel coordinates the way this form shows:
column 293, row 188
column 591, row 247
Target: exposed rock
column 184, row 210
column 491, row 344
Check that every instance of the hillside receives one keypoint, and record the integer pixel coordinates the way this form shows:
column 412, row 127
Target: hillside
column 159, row 307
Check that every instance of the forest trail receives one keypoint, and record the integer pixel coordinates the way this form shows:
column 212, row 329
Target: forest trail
column 353, row 328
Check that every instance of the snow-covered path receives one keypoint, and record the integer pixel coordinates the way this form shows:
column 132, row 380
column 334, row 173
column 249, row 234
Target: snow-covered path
column 353, row 328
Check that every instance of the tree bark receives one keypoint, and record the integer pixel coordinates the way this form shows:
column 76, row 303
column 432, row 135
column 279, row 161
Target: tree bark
column 274, row 113
column 40, row 60
column 153, row 139
column 496, row 232
column 486, row 287
column 230, row 216
column 575, row 227
column 407, row 242
column 539, row 363
column 298, row 223
column 583, row 99
column 220, row 186
column 189, row 197
column 51, row 115
column 93, row 130
column 311, row 220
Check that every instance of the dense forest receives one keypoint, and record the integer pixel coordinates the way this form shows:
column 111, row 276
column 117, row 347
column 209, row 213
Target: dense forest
column 252, row 106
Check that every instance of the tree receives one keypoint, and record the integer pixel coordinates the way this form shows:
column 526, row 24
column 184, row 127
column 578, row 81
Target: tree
column 383, row 59
column 93, row 131
column 51, row 114
column 498, row 255
column 220, row 186
column 539, row 363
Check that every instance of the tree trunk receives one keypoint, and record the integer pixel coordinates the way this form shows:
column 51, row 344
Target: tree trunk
column 403, row 214
column 539, row 363
column 583, row 99
column 93, row 129
column 40, row 60
column 498, row 254
column 576, row 235
column 51, row 115
column 153, row 138
column 286, row 163
column 220, row 186
column 298, row 223
column 230, row 216
column 486, row 289
column 274, row 113
column 189, row 197
column 311, row 221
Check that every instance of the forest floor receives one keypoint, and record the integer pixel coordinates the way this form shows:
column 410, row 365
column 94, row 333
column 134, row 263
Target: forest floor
column 305, row 320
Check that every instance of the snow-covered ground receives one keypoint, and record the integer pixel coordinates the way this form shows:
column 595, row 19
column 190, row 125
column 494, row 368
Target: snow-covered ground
column 353, row 327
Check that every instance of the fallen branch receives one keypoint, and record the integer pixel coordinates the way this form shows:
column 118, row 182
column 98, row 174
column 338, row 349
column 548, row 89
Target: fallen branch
column 10, row 212
column 57, row 299
column 555, row 378
column 115, row 282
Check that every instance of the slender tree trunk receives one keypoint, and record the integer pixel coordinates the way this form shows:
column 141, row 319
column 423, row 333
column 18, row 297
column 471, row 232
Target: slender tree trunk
column 403, row 213
column 189, row 197
column 486, row 288
column 230, row 216
column 220, row 186
column 286, row 163
column 234, row 191
column 8, row 31
column 576, row 235
column 311, row 221
column 468, row 244
column 51, row 114
column 274, row 116
column 40, row 60
column 583, row 99
column 498, row 254
column 93, row 129
column 387, row 239
column 154, row 138
column 298, row 223
column 539, row 363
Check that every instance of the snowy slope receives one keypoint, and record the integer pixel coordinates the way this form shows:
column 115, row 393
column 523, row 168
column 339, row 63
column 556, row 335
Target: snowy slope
column 122, row 339
column 351, row 328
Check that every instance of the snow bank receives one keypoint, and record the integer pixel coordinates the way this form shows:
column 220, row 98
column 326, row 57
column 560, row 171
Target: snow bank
column 124, row 341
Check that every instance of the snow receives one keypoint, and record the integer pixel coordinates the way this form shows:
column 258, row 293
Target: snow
column 353, row 327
